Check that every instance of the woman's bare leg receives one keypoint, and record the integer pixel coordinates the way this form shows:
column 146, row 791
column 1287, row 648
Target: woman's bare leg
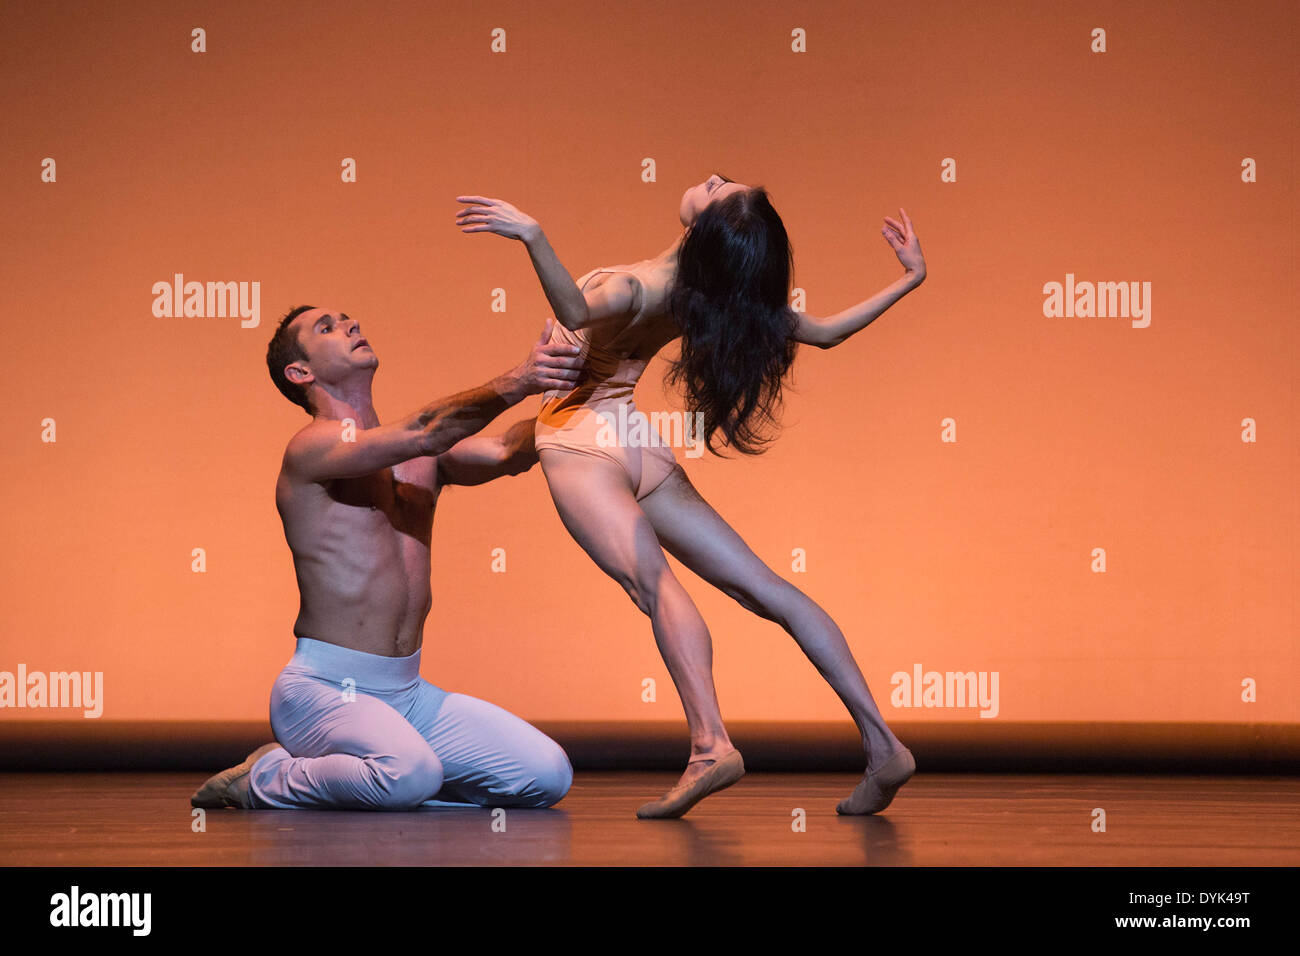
column 595, row 501
column 696, row 535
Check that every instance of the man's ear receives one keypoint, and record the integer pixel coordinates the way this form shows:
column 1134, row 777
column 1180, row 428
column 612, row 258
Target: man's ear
column 298, row 373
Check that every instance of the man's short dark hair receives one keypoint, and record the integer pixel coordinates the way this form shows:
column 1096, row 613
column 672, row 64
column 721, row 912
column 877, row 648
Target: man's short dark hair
column 283, row 350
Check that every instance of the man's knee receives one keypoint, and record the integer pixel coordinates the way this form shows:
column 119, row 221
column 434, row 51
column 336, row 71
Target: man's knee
column 406, row 780
column 552, row 775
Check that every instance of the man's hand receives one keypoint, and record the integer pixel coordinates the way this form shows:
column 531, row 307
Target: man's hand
column 550, row 365
column 477, row 459
column 496, row 215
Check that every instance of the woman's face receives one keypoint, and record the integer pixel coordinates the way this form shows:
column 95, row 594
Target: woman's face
column 697, row 197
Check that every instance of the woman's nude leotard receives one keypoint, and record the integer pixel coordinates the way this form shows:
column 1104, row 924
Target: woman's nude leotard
column 585, row 420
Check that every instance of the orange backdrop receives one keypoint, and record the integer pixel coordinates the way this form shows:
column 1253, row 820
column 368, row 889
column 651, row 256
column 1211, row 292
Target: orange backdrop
column 979, row 554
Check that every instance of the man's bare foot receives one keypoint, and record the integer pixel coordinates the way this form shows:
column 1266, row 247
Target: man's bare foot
column 878, row 786
column 230, row 787
column 703, row 776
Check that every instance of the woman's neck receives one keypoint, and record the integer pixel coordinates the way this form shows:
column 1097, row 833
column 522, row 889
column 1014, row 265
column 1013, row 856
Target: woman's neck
column 668, row 258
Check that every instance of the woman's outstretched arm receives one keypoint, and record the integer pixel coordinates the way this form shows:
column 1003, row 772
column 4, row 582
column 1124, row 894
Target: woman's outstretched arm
column 573, row 309
column 829, row 332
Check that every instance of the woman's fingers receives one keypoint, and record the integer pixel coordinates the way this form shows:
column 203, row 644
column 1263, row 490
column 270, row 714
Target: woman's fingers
column 472, row 221
column 481, row 200
column 902, row 229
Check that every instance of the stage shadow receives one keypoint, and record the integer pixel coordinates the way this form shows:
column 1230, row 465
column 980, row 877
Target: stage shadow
column 881, row 840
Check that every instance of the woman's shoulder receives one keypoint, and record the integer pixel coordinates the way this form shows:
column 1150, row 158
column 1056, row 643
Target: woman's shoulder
column 645, row 286
column 602, row 270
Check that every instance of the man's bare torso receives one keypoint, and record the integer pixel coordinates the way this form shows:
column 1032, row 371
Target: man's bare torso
column 361, row 554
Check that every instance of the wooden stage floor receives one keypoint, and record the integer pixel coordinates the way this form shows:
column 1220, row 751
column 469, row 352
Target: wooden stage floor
column 938, row 819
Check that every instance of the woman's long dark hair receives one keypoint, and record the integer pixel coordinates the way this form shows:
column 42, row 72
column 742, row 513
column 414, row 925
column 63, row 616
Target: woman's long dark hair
column 730, row 298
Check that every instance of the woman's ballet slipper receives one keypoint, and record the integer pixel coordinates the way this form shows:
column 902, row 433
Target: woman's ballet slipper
column 877, row 789
column 230, row 787
column 726, row 771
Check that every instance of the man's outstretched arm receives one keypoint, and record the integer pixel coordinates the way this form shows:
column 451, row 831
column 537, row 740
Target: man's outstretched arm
column 319, row 451
column 480, row 458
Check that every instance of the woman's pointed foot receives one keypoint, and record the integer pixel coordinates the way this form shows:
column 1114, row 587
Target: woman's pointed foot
column 725, row 771
column 877, row 788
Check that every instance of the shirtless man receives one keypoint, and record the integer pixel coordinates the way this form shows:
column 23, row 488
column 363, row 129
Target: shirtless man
column 355, row 724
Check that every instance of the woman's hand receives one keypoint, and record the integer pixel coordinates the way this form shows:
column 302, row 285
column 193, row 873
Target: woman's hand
column 496, row 215
column 902, row 238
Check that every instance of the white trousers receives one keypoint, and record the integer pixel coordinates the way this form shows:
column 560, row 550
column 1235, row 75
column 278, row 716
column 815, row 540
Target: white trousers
column 364, row 731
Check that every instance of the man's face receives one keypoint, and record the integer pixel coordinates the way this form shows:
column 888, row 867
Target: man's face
column 334, row 345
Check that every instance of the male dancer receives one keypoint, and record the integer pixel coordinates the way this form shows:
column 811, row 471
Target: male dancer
column 355, row 724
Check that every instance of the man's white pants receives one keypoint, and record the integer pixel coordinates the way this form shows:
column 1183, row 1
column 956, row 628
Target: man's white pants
column 364, row 731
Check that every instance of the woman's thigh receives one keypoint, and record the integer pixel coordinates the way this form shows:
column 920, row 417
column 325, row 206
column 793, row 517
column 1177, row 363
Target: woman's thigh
column 595, row 500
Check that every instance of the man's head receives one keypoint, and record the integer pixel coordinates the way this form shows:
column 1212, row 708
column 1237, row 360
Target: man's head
column 317, row 347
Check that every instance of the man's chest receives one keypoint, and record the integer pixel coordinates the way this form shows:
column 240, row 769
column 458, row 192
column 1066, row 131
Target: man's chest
column 404, row 495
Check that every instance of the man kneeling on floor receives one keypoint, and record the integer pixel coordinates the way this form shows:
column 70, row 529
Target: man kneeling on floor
column 356, row 726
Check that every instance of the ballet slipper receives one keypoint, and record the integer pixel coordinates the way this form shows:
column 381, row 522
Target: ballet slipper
column 877, row 789
column 230, row 787
column 724, row 772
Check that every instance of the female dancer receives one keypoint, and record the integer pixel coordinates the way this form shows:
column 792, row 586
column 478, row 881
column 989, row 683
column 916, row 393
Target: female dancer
column 723, row 286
